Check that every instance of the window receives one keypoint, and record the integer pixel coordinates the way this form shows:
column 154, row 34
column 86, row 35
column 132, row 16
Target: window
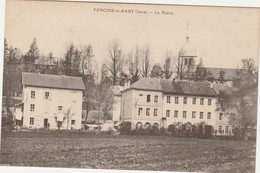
column 175, row 114
column 193, row 114
column 220, row 129
column 32, row 94
column 201, row 101
column 168, row 99
column 220, row 116
column 32, row 107
column 140, row 111
column 147, row 111
column 221, row 102
column 59, row 109
column 209, row 115
column 31, row 121
column 47, row 95
column 148, row 98
column 184, row 100
column 141, row 97
column 185, row 61
column 155, row 99
column 167, row 113
column 226, row 129
column 155, row 112
column 209, row 102
column 201, row 115
column 184, row 114
column 176, row 100
column 194, row 101
column 72, row 122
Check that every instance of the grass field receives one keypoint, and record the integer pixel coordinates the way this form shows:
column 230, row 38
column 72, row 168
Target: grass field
column 81, row 150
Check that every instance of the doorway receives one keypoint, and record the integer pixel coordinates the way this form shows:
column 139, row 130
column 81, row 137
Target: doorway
column 45, row 124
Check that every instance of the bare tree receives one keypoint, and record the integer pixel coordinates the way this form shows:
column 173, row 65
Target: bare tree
column 146, row 62
column 115, row 60
column 168, row 65
column 68, row 60
column 104, row 97
column 133, row 63
column 87, row 55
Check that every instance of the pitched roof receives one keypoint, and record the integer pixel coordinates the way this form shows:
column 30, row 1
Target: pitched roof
column 229, row 74
column 172, row 87
column 52, row 81
column 147, row 84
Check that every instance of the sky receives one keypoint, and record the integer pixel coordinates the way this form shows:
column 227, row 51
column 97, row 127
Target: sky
column 222, row 36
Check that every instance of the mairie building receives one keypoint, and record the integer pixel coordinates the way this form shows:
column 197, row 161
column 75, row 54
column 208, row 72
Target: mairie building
column 161, row 102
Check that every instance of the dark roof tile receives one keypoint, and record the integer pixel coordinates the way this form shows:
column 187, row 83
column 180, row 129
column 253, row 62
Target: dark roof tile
column 173, row 87
column 52, row 81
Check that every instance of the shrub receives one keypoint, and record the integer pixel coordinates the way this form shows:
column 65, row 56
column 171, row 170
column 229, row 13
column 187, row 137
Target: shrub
column 125, row 128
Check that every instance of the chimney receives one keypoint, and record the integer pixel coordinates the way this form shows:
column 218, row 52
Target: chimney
column 128, row 84
column 211, row 84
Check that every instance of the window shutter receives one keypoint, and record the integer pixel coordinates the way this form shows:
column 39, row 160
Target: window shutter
column 49, row 95
column 43, row 95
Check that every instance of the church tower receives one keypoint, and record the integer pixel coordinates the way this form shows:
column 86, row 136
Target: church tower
column 186, row 59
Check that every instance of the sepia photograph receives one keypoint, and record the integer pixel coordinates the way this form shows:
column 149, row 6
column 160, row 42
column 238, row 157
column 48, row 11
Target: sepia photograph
column 127, row 86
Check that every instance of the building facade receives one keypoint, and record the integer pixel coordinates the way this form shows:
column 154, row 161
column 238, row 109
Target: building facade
column 162, row 102
column 50, row 101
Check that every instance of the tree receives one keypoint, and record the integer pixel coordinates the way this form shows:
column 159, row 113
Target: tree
column 222, row 76
column 133, row 62
column 241, row 102
column 200, row 72
column 86, row 59
column 11, row 76
column 104, row 98
column 157, row 71
column 68, row 60
column 115, row 61
column 167, row 65
column 6, row 51
column 33, row 54
column 105, row 74
column 15, row 55
column 146, row 62
column 50, row 58
column 76, row 62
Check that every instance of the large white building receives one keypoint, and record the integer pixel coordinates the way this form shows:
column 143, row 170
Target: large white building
column 50, row 101
column 162, row 102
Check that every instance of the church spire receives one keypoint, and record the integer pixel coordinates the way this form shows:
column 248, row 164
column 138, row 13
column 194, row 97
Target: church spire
column 187, row 34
